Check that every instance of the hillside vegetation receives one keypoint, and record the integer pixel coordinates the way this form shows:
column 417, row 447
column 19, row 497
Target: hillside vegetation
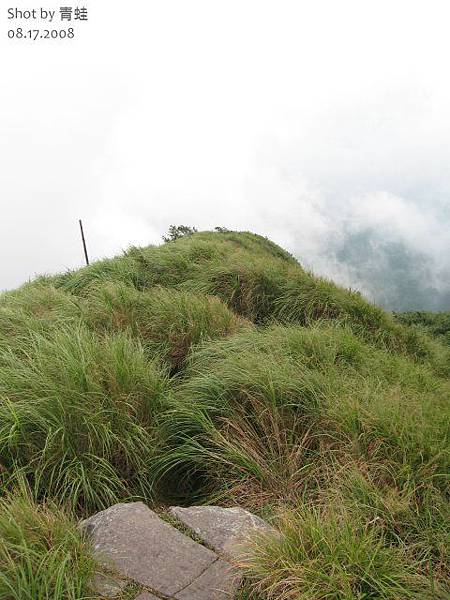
column 215, row 369
column 435, row 324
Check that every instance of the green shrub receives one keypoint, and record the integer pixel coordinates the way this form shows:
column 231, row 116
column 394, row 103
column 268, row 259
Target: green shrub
column 178, row 231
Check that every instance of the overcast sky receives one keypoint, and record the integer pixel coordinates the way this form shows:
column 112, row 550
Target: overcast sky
column 306, row 121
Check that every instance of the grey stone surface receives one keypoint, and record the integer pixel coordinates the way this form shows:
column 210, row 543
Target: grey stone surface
column 225, row 530
column 139, row 545
column 108, row 586
column 146, row 596
column 219, row 582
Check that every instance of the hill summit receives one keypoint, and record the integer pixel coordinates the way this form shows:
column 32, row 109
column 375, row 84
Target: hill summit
column 215, row 369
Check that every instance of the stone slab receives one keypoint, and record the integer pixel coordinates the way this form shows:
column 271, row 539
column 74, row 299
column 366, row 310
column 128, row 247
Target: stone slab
column 146, row 596
column 107, row 586
column 134, row 541
column 225, row 530
column 219, row 582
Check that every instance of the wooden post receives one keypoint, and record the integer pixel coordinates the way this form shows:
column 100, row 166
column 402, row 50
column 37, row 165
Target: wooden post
column 84, row 242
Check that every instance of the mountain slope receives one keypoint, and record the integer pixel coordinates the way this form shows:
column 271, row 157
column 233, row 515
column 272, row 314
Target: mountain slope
column 214, row 368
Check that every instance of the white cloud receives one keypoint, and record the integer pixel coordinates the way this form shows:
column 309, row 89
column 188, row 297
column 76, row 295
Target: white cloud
column 297, row 119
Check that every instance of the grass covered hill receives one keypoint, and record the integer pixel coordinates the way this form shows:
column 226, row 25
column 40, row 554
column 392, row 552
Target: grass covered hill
column 215, row 369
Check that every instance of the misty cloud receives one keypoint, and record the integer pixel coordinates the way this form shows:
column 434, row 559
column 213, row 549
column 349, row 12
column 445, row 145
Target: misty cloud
column 306, row 122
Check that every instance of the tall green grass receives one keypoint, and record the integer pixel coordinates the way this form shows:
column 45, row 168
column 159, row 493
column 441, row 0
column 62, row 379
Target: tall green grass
column 35, row 308
column 327, row 554
column 78, row 415
column 284, row 415
column 321, row 386
column 42, row 555
column 168, row 322
column 257, row 280
column 214, row 368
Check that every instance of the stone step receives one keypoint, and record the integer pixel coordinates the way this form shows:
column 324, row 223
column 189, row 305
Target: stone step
column 134, row 542
column 226, row 530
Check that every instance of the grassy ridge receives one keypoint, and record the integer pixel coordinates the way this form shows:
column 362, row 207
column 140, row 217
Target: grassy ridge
column 215, row 368
column 256, row 279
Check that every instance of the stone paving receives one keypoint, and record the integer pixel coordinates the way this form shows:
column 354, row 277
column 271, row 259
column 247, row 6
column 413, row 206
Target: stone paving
column 137, row 546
